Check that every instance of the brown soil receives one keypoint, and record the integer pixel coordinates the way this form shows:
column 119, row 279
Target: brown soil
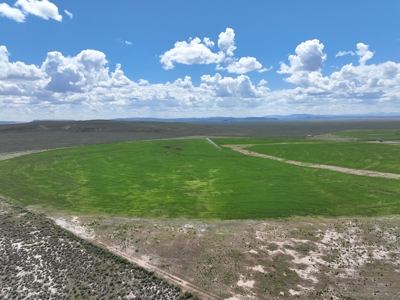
column 271, row 259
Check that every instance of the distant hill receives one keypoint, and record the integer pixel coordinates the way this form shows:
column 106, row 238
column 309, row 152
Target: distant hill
column 199, row 120
column 7, row 122
column 332, row 117
column 266, row 118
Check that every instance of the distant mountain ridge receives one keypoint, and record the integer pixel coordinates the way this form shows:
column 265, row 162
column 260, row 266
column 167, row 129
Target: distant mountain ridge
column 8, row 122
column 268, row 118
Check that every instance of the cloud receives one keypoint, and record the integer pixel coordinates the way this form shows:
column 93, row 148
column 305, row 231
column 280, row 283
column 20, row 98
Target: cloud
column 82, row 86
column 70, row 15
column 343, row 53
column 194, row 52
column 208, row 42
column 144, row 82
column 199, row 52
column 74, row 74
column 128, row 43
column 11, row 13
column 226, row 41
column 17, row 70
column 305, row 67
column 240, row 86
column 262, row 82
column 309, row 58
column 364, row 53
column 43, row 9
column 243, row 65
column 85, row 81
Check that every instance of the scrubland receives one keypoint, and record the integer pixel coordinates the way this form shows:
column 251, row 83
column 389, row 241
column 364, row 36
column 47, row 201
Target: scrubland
column 39, row 260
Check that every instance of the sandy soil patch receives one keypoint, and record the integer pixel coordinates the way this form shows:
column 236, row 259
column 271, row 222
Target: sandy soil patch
column 75, row 227
column 258, row 268
column 245, row 283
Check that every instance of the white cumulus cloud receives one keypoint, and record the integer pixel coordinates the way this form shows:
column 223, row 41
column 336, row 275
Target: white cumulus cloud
column 199, row 52
column 40, row 8
column 75, row 74
column 11, row 13
column 43, row 9
column 364, row 53
column 16, row 71
column 309, row 57
column 262, row 82
column 244, row 65
column 226, row 41
column 194, row 52
column 240, row 86
column 82, row 86
column 305, row 67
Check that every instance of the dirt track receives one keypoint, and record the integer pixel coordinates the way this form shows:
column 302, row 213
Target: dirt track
column 240, row 148
column 206, row 295
column 4, row 156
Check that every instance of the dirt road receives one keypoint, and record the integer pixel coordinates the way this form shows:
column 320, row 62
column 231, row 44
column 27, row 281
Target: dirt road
column 240, row 148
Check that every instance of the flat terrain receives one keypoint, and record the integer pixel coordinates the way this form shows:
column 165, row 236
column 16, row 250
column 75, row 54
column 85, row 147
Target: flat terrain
column 300, row 258
column 382, row 134
column 357, row 155
column 224, row 224
column 57, row 134
column 192, row 178
column 39, row 260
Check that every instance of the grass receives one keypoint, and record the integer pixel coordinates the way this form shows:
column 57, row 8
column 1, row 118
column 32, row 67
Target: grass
column 188, row 178
column 355, row 155
column 382, row 134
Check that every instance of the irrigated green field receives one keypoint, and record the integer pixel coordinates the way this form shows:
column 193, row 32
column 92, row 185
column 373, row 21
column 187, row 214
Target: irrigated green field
column 376, row 134
column 191, row 178
column 356, row 155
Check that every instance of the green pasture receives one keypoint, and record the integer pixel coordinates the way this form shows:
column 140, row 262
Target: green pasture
column 376, row 134
column 356, row 155
column 189, row 178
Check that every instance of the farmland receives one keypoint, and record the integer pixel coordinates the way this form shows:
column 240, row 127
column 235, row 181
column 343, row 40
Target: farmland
column 388, row 134
column 232, row 226
column 356, row 155
column 191, row 178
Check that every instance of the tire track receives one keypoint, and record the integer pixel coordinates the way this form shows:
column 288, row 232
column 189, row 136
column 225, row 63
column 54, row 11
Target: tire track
column 206, row 295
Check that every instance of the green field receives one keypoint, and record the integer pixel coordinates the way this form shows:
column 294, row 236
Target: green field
column 356, row 155
column 191, row 178
column 376, row 134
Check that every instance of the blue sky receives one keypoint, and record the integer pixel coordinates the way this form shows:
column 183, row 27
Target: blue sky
column 108, row 59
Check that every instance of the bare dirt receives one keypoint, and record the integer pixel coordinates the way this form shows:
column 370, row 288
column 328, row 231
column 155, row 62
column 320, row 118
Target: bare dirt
column 240, row 148
column 4, row 156
column 73, row 224
column 305, row 258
